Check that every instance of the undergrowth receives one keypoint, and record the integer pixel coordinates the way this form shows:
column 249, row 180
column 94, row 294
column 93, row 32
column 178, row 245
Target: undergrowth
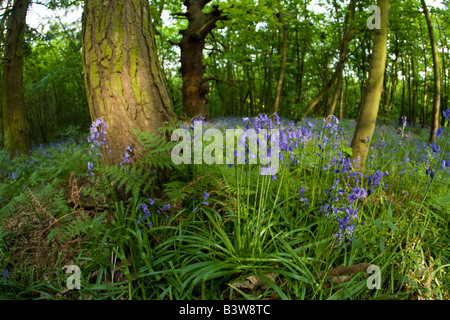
column 228, row 232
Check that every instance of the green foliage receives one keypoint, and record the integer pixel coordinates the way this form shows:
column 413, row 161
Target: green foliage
column 54, row 84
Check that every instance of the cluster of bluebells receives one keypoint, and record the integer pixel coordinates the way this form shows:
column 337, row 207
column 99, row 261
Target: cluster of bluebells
column 13, row 175
column 205, row 197
column 4, row 274
column 291, row 137
column 436, row 152
column 145, row 218
column 97, row 139
column 302, row 192
column 97, row 136
column 346, row 225
column 345, row 216
column 375, row 180
column 126, row 157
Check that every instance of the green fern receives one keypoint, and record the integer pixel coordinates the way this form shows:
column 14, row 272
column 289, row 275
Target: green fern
column 82, row 226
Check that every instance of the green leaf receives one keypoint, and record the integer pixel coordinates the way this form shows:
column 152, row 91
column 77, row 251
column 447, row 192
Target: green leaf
column 347, row 150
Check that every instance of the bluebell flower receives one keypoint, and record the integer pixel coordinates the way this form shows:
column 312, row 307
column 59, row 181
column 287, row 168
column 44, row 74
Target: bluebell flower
column 90, row 165
column 302, row 191
column 205, row 195
column 345, row 226
column 4, row 273
column 447, row 114
column 435, row 148
column 357, row 193
column 403, row 122
column 439, row 132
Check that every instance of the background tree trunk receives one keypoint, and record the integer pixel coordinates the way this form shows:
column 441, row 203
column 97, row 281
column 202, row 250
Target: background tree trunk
column 278, row 91
column 372, row 95
column 16, row 129
column 124, row 82
column 437, row 76
column 334, row 100
column 340, row 65
column 195, row 87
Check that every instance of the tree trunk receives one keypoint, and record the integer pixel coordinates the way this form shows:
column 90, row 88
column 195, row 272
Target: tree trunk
column 343, row 99
column 16, row 129
column 437, row 76
column 195, row 87
column 124, row 82
column 369, row 108
column 414, row 92
column 425, row 94
column 394, row 80
column 334, row 100
column 340, row 65
column 278, row 91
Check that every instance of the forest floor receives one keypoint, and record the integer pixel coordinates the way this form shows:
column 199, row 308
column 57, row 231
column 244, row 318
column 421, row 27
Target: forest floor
column 227, row 232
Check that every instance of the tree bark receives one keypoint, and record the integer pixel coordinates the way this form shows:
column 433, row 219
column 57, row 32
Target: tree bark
column 195, row 87
column 340, row 65
column 334, row 100
column 16, row 129
column 124, row 82
column 279, row 88
column 437, row 76
column 394, row 79
column 372, row 95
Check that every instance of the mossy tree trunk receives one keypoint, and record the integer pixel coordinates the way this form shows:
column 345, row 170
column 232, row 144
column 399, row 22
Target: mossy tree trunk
column 372, row 95
column 16, row 129
column 437, row 75
column 124, row 82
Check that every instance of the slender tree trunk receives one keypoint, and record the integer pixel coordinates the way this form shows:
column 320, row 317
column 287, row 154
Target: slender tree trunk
column 414, row 92
column 394, row 81
column 340, row 65
column 335, row 97
column 279, row 88
column 16, row 129
column 369, row 109
column 425, row 94
column 408, row 77
column 437, row 76
column 124, row 82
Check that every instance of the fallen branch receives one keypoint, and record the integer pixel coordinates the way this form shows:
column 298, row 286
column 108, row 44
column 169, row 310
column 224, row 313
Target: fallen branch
column 337, row 274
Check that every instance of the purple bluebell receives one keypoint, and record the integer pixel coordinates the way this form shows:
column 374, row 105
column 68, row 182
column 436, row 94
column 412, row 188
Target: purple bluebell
column 447, row 114
column 357, row 193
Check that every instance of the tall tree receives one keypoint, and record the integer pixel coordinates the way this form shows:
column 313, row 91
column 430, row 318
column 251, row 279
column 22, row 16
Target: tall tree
column 279, row 88
column 342, row 57
column 195, row 87
column 124, row 82
column 15, row 125
column 372, row 95
column 436, row 72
